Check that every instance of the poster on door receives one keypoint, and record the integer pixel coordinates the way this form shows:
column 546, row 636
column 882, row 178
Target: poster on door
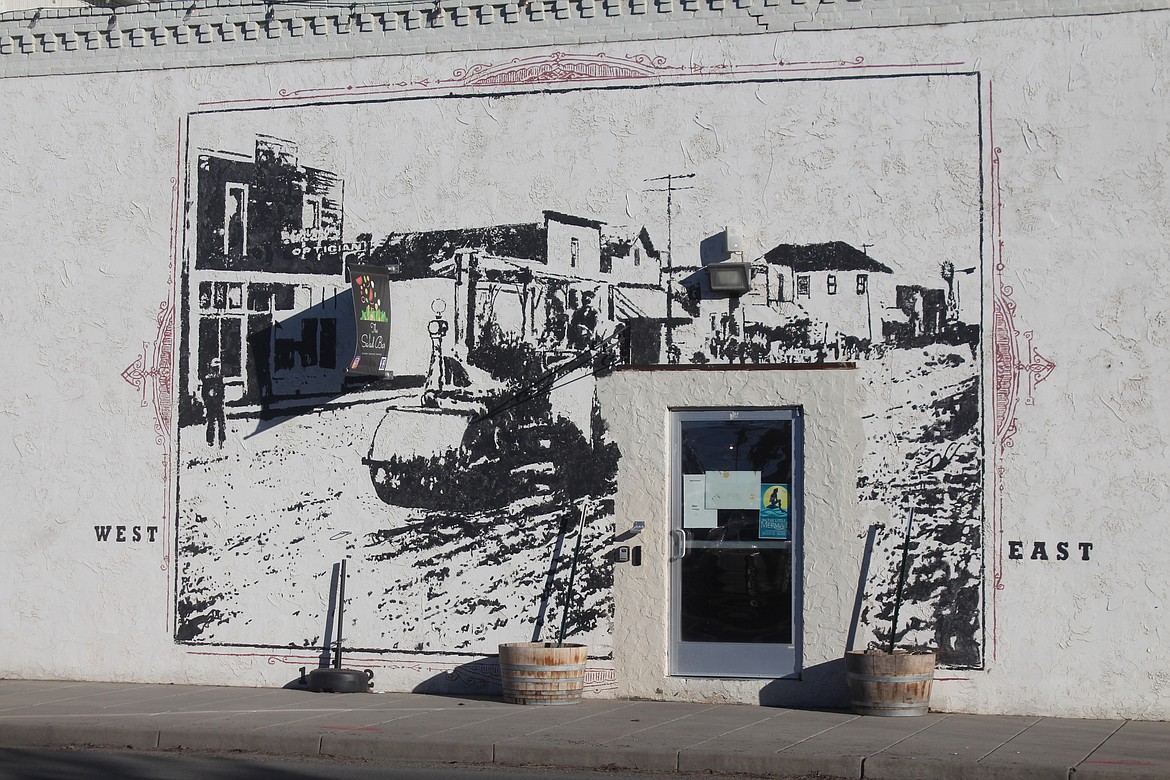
column 774, row 511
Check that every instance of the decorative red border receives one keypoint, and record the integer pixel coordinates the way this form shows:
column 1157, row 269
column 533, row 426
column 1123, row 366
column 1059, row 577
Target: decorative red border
column 565, row 68
column 1017, row 371
column 153, row 374
column 1018, row 367
column 596, row 678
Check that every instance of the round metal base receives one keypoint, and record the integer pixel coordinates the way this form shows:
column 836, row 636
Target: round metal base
column 340, row 681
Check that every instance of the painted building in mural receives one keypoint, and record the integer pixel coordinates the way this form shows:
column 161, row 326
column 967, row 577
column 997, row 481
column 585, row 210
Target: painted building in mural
column 950, row 342
column 264, row 277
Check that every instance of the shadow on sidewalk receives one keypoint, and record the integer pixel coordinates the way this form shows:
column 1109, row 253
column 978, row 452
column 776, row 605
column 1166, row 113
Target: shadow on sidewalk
column 820, row 687
column 477, row 678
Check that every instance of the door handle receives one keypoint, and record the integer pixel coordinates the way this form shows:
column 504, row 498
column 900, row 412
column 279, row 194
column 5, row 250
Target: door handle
column 678, row 544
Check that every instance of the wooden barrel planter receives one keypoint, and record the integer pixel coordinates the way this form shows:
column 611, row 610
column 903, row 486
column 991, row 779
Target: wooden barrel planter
column 889, row 684
column 542, row 673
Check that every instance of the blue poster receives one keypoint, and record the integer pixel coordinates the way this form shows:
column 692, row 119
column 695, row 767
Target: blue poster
column 773, row 511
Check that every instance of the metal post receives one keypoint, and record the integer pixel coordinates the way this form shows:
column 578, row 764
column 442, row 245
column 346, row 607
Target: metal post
column 340, row 614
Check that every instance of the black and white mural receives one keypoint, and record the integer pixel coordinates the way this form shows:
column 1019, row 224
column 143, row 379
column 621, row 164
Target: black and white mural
column 536, row 241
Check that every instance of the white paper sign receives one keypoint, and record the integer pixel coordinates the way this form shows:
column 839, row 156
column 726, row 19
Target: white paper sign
column 733, row 490
column 695, row 511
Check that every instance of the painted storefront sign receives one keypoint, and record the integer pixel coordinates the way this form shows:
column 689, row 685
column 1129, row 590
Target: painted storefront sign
column 371, row 311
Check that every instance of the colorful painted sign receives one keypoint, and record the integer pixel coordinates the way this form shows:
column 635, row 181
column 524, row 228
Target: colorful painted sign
column 371, row 311
column 774, row 511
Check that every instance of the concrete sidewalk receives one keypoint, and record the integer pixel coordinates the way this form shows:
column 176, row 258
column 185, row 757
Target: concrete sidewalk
column 663, row 736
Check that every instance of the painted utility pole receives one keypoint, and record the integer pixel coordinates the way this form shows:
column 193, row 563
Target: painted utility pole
column 868, row 305
column 668, row 270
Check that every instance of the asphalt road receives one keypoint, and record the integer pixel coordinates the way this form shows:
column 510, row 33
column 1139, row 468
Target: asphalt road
column 87, row 764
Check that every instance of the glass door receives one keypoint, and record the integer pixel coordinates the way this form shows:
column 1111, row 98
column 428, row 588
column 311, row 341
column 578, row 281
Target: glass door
column 735, row 541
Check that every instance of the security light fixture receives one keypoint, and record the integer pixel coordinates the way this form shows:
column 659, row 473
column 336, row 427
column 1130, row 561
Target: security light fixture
column 730, row 277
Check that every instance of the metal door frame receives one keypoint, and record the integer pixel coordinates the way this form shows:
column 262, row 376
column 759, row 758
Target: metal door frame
column 731, row 660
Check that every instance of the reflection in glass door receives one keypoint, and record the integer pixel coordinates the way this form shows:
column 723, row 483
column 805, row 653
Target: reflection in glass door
column 735, row 541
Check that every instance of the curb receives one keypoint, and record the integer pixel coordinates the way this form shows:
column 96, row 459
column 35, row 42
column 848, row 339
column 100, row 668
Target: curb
column 375, row 747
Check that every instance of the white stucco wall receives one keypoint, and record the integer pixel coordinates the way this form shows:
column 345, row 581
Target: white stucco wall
column 1063, row 204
